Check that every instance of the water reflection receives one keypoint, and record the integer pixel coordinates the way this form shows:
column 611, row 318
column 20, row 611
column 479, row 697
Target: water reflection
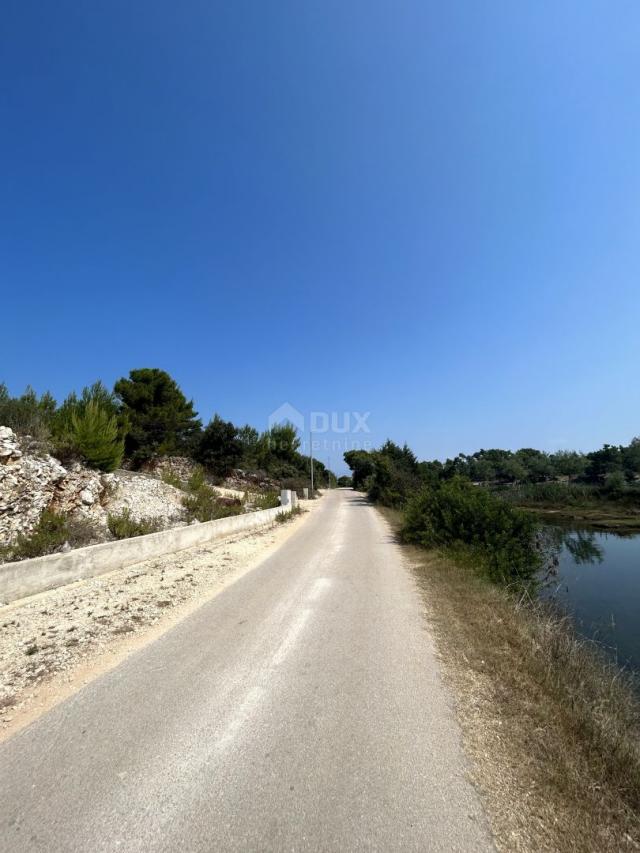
column 583, row 546
column 595, row 576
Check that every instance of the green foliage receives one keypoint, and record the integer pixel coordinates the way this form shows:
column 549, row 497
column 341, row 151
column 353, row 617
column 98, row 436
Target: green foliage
column 568, row 463
column 90, row 426
column 49, row 534
column 288, row 515
column 94, row 433
column 171, row 479
column 203, row 504
column 252, row 446
column 72, row 405
column 123, row 526
column 196, row 480
column 585, row 495
column 553, row 494
column 615, row 483
column 362, row 465
column 390, row 474
column 279, row 452
column 344, row 481
column 161, row 420
column 27, row 414
column 266, row 500
column 459, row 515
column 602, row 463
column 219, row 449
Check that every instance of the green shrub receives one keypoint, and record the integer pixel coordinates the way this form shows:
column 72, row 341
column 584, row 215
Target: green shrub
column 122, row 526
column 172, row 479
column 196, row 480
column 203, row 504
column 474, row 522
column 288, row 514
column 266, row 500
column 94, row 433
column 50, row 533
column 27, row 414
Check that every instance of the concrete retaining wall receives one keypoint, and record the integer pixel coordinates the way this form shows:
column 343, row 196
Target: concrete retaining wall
column 28, row 577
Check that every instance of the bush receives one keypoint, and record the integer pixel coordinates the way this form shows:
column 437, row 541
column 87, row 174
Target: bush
column 203, row 504
column 474, row 522
column 266, row 500
column 288, row 515
column 50, row 533
column 94, row 434
column 122, row 526
column 28, row 414
column 172, row 479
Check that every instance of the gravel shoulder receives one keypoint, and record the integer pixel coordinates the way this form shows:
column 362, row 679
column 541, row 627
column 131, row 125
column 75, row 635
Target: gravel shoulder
column 53, row 643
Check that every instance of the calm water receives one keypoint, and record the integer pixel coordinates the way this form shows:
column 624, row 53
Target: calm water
column 598, row 582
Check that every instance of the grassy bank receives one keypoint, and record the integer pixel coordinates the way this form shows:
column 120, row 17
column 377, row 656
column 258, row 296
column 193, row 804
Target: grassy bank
column 599, row 517
column 552, row 728
column 586, row 505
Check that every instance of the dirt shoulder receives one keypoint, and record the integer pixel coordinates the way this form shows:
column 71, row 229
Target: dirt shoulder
column 551, row 730
column 53, row 643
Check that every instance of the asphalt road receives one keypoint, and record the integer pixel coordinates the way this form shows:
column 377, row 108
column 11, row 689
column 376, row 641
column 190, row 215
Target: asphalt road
column 301, row 709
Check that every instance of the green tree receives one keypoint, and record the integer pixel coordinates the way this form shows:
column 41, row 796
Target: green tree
column 161, row 419
column 568, row 463
column 253, row 447
column 219, row 449
column 27, row 414
column 362, row 464
column 61, row 425
column 94, row 433
column 602, row 463
column 631, row 459
column 538, row 465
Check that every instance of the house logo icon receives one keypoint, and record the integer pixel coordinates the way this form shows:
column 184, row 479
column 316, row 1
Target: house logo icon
column 287, row 414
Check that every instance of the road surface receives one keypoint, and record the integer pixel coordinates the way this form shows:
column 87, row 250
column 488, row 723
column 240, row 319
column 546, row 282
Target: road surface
column 301, row 709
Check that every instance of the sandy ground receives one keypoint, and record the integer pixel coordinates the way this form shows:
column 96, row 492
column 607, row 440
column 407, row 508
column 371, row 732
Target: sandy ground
column 53, row 643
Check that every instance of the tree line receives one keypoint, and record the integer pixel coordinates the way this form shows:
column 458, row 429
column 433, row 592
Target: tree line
column 458, row 504
column 147, row 415
column 610, row 465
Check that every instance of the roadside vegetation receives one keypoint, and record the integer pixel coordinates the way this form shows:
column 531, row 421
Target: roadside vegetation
column 147, row 416
column 601, row 487
column 123, row 526
column 53, row 531
column 552, row 724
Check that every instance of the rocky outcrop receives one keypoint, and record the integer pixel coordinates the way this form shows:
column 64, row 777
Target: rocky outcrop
column 81, row 494
column 27, row 486
column 144, row 497
column 245, row 480
column 31, row 483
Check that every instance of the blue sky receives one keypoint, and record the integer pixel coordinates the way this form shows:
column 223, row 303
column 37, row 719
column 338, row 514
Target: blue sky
column 428, row 211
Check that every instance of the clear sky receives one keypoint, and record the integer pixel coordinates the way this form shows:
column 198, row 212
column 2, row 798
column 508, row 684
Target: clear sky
column 428, row 211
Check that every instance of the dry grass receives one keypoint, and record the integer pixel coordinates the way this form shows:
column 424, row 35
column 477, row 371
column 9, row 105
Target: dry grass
column 552, row 728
